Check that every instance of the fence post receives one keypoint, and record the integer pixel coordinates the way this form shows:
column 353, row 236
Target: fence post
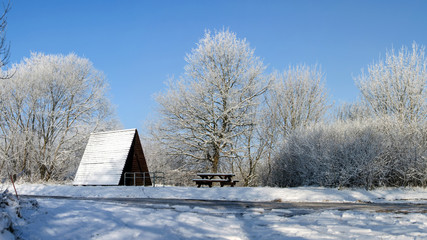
column 13, row 183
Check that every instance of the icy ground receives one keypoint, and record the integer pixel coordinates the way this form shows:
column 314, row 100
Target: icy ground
column 88, row 219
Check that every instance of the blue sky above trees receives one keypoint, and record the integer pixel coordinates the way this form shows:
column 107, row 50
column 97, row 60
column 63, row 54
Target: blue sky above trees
column 140, row 44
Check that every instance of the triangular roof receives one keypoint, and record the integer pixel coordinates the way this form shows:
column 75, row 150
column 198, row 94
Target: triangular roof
column 105, row 157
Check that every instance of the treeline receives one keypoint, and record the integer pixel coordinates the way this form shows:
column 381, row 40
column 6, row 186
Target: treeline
column 226, row 114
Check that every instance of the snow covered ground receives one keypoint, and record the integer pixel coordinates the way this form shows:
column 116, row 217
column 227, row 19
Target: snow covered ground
column 301, row 194
column 89, row 219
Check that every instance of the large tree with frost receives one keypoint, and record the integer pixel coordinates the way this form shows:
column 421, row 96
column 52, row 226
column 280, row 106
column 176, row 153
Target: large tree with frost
column 397, row 85
column 48, row 108
column 204, row 113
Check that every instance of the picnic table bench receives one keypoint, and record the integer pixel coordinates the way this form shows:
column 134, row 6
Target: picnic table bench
column 210, row 178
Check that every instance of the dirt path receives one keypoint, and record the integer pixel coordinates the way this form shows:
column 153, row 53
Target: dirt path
column 241, row 205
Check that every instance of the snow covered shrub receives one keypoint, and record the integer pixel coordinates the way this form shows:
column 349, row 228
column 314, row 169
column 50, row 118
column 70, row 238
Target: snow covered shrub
column 327, row 155
column 358, row 153
column 6, row 228
column 404, row 157
column 10, row 213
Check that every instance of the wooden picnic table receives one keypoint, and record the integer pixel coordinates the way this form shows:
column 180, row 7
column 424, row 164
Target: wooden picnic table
column 210, row 178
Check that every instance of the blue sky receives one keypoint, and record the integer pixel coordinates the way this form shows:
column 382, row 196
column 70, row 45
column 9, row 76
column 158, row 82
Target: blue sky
column 140, row 44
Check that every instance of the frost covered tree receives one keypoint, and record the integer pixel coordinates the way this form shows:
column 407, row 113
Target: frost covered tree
column 48, row 108
column 204, row 113
column 397, row 85
column 353, row 111
column 298, row 98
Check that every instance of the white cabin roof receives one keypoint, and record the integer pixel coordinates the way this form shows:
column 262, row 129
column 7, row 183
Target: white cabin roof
column 104, row 158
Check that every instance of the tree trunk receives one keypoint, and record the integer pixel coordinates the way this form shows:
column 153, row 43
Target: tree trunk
column 215, row 160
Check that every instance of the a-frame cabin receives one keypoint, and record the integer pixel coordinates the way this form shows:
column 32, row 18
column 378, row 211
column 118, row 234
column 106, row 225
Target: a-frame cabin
column 109, row 155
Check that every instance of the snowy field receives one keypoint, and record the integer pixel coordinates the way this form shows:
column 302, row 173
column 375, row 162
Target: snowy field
column 90, row 219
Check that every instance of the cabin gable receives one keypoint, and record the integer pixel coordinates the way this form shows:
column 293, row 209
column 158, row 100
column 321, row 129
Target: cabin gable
column 108, row 155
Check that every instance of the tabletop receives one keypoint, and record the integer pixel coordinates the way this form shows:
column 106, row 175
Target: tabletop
column 216, row 174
